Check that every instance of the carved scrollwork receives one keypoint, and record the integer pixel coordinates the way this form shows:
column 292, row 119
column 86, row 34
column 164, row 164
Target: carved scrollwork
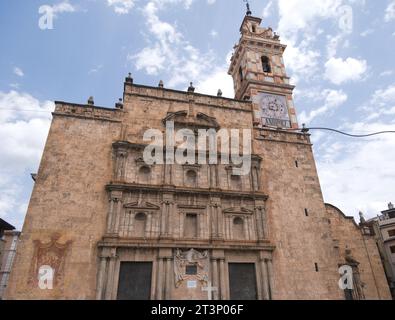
column 192, row 257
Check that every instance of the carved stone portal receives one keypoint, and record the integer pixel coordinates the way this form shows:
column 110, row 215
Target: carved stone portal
column 52, row 254
column 191, row 265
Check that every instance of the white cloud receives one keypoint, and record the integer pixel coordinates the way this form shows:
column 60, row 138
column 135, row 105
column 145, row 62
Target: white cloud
column 18, row 71
column 367, row 32
column 62, row 7
column 217, row 79
column 297, row 15
column 121, row 6
column 332, row 99
column 214, row 33
column 390, row 12
column 359, row 174
column 386, row 73
column 24, row 124
column 339, row 71
column 169, row 54
column 211, row 1
column 267, row 9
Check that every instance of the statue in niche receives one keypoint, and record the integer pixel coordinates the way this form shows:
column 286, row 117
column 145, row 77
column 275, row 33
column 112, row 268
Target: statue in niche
column 191, row 265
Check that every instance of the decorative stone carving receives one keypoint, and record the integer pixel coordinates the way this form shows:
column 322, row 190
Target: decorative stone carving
column 182, row 259
column 52, row 254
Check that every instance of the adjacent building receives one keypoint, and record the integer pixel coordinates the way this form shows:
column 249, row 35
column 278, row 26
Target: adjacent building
column 384, row 229
column 8, row 244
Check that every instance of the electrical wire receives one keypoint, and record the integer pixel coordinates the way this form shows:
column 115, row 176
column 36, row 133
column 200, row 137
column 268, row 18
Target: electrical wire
column 305, row 130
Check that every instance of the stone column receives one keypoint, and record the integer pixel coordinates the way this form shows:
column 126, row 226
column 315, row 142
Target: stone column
column 214, row 273
column 260, row 223
column 110, row 274
column 270, row 276
column 113, row 212
column 163, row 219
column 101, row 277
column 159, row 285
column 246, row 227
column 213, row 221
column 118, row 212
column 222, row 279
column 265, row 280
column 220, row 223
column 168, row 279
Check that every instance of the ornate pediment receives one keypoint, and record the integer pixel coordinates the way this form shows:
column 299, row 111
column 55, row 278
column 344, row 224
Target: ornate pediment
column 143, row 206
column 185, row 120
column 238, row 210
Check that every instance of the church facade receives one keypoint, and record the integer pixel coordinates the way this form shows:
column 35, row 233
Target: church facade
column 104, row 224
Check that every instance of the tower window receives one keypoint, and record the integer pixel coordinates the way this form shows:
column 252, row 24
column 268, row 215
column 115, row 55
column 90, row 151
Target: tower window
column 241, row 74
column 266, row 65
column 316, row 267
column 253, row 28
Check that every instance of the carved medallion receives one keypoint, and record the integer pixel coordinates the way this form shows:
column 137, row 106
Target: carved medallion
column 191, row 265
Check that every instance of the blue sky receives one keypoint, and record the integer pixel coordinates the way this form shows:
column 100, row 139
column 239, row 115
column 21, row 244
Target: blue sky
column 344, row 75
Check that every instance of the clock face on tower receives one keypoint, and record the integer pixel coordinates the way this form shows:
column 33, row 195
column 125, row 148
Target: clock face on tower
column 273, row 109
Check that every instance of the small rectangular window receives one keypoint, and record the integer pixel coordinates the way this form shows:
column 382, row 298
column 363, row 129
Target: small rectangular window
column 306, row 212
column 316, row 267
column 392, row 249
column 296, row 163
column 191, row 270
column 391, row 233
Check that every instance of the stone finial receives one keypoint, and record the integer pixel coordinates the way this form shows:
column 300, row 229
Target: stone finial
column 129, row 78
column 119, row 104
column 362, row 217
column 390, row 206
column 191, row 88
column 91, row 101
column 219, row 93
column 161, row 84
column 304, row 129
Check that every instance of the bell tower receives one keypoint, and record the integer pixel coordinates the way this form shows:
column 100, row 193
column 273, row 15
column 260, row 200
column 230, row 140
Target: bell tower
column 259, row 75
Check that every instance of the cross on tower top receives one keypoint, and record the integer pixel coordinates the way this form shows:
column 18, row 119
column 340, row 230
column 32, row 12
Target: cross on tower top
column 248, row 8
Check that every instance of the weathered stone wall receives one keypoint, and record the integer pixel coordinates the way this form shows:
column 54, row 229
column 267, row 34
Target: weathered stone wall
column 290, row 179
column 347, row 235
column 68, row 199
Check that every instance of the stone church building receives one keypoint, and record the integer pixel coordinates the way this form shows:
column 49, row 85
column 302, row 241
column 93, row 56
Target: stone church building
column 104, row 224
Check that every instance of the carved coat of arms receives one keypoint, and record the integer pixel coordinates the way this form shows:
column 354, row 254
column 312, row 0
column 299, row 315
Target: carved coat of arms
column 191, row 258
column 50, row 254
